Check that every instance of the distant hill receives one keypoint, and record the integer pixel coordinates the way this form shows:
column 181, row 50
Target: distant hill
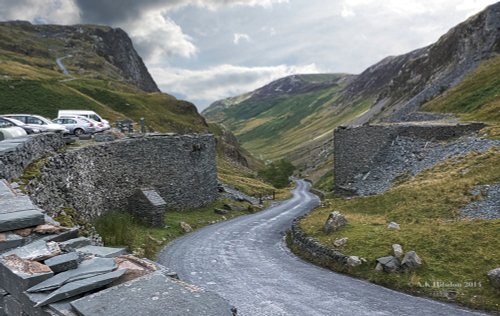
column 294, row 117
column 105, row 74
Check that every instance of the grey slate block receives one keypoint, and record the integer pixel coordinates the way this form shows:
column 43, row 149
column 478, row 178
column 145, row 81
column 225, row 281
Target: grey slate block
column 104, row 252
column 64, row 236
column 16, row 282
column 86, row 269
column 153, row 294
column 72, row 244
column 11, row 240
column 81, row 286
column 5, row 191
column 63, row 263
column 22, row 219
column 17, row 203
column 38, row 250
column 13, row 307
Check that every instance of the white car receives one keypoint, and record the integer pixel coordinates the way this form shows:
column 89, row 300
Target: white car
column 85, row 113
column 40, row 122
column 98, row 126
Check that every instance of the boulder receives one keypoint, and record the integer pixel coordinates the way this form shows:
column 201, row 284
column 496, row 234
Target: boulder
column 494, row 277
column 220, row 211
column 340, row 242
column 186, row 227
column 389, row 264
column 398, row 250
column 334, row 222
column 354, row 261
column 393, row 225
column 411, row 261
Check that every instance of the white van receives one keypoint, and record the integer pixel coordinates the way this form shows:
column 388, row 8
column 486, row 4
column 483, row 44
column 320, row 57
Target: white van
column 85, row 113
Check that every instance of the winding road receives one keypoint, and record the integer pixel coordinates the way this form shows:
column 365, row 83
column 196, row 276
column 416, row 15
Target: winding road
column 246, row 261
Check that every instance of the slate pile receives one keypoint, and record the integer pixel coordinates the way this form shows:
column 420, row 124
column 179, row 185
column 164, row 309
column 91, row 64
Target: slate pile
column 47, row 270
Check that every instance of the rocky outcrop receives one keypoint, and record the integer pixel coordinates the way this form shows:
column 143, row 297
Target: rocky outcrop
column 402, row 83
column 117, row 48
column 334, row 222
column 84, row 43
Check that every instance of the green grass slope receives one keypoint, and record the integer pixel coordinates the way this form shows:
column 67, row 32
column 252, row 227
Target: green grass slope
column 454, row 250
column 476, row 98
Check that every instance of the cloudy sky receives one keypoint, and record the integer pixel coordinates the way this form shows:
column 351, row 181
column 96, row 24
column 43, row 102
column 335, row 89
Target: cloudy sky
column 204, row 50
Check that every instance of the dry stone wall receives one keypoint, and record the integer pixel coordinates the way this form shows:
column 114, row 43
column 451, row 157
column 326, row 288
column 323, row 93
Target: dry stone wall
column 16, row 154
column 367, row 158
column 100, row 178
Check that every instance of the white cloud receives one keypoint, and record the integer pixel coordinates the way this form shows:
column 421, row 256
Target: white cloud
column 40, row 11
column 221, row 81
column 347, row 12
column 158, row 37
column 240, row 36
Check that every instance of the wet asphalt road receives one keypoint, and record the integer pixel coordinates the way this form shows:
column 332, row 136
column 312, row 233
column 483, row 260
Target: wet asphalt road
column 246, row 261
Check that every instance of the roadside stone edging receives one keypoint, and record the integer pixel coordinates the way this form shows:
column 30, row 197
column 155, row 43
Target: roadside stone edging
column 312, row 246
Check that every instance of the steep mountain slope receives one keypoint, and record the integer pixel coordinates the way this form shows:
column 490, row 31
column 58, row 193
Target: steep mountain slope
column 105, row 74
column 298, row 124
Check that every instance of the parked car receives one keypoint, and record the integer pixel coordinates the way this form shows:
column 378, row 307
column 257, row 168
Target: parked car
column 14, row 122
column 76, row 125
column 85, row 113
column 9, row 130
column 37, row 121
column 99, row 126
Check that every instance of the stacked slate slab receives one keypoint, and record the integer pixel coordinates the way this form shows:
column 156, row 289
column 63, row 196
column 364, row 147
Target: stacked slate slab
column 62, row 274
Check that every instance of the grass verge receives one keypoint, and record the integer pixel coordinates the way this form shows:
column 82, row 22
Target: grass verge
column 457, row 253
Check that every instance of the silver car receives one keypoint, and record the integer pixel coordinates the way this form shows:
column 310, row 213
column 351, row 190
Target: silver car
column 39, row 122
column 76, row 125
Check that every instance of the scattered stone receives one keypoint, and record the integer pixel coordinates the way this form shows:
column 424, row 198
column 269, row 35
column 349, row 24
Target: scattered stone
column 103, row 252
column 340, row 242
column 494, row 277
column 25, row 232
column 49, row 229
column 232, row 207
column 88, row 268
column 354, row 261
column 398, row 250
column 334, row 222
column 9, row 240
column 152, row 293
column 389, row 264
column 19, row 274
column 135, row 267
column 21, row 219
column 379, row 267
column 64, row 262
column 81, row 286
column 74, row 243
column 36, row 251
column 186, row 227
column 411, row 261
column 72, row 233
column 220, row 211
column 17, row 264
column 393, row 225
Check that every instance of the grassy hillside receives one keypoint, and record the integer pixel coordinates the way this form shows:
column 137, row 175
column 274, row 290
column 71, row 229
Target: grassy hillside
column 31, row 82
column 296, row 125
column 454, row 250
column 476, row 98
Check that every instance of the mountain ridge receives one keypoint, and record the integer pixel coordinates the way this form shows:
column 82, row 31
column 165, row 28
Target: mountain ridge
column 392, row 90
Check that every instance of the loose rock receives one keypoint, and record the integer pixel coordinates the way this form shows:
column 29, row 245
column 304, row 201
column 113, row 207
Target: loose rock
column 340, row 242
column 398, row 250
column 411, row 261
column 186, row 227
column 354, row 261
column 393, row 225
column 494, row 277
column 334, row 222
column 388, row 264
